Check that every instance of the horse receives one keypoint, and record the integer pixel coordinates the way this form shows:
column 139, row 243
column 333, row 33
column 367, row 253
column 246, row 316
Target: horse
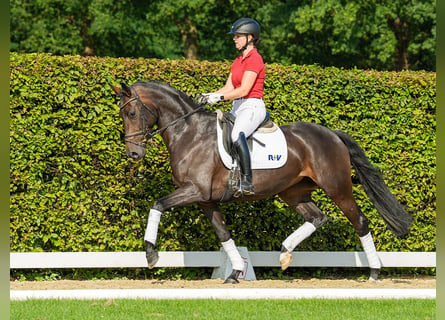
column 318, row 157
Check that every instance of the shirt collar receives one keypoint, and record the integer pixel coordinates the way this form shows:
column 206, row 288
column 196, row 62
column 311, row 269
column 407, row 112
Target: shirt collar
column 249, row 54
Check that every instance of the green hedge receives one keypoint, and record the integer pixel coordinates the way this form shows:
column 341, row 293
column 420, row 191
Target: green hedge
column 73, row 189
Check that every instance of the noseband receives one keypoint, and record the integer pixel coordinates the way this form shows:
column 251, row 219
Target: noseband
column 146, row 132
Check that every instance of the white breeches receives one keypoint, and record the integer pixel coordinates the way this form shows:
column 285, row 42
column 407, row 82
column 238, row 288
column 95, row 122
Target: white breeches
column 249, row 114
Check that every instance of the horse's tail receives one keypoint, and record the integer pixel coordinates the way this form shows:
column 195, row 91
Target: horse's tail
column 397, row 219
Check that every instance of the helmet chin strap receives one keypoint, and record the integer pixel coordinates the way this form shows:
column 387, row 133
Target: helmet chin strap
column 247, row 43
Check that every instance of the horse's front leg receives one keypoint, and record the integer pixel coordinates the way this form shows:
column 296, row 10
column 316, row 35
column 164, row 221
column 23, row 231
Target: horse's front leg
column 180, row 197
column 314, row 219
column 215, row 216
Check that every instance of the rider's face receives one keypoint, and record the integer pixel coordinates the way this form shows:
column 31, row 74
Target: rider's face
column 240, row 40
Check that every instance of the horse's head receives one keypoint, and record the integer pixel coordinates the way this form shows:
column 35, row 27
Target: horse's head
column 138, row 120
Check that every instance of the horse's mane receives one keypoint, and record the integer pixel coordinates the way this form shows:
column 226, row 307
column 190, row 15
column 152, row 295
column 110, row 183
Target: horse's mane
column 166, row 87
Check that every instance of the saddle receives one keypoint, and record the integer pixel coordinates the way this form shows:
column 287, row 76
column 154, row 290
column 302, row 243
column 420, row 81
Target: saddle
column 226, row 120
column 267, row 146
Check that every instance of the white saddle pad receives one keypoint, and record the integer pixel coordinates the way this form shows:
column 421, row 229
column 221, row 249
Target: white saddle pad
column 271, row 156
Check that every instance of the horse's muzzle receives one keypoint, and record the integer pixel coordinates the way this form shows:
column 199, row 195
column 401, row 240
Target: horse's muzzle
column 135, row 153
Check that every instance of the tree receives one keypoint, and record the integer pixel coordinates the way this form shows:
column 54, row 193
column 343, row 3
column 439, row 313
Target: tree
column 122, row 29
column 47, row 26
column 185, row 15
column 204, row 24
column 413, row 24
column 378, row 34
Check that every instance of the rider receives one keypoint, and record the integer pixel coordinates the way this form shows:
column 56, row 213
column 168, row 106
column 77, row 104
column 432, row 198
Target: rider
column 244, row 86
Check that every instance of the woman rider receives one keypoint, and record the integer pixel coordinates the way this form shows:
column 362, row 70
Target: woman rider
column 244, row 86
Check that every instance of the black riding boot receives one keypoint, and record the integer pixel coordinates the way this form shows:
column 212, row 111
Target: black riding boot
column 242, row 150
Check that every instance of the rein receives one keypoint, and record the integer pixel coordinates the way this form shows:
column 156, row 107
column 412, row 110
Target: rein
column 149, row 135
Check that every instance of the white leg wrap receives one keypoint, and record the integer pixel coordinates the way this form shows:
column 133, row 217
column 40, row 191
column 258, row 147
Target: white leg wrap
column 233, row 253
column 298, row 236
column 370, row 251
column 151, row 232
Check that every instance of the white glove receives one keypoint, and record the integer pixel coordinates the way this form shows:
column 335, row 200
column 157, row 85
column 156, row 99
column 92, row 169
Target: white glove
column 211, row 98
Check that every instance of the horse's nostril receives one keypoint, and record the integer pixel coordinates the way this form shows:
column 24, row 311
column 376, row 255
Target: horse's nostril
column 134, row 155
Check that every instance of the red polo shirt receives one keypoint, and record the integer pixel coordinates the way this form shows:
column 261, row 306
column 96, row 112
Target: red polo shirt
column 252, row 62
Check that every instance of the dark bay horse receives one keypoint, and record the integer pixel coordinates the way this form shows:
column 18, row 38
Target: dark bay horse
column 317, row 158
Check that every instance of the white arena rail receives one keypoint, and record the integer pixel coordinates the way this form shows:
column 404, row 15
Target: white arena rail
column 215, row 259
column 41, row 260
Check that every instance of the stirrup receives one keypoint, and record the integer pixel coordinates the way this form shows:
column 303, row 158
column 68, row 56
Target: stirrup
column 237, row 191
column 248, row 191
column 240, row 191
column 246, row 184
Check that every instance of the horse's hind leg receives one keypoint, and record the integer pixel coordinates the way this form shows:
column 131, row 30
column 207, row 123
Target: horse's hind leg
column 345, row 201
column 360, row 224
column 334, row 177
column 215, row 216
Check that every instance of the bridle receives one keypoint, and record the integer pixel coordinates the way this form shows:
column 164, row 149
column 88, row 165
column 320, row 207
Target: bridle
column 146, row 132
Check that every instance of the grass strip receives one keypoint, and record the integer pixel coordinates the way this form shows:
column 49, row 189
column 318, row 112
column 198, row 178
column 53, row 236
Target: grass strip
column 320, row 309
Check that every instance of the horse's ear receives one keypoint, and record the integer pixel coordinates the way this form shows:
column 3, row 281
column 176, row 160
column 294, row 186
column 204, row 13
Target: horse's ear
column 116, row 89
column 126, row 89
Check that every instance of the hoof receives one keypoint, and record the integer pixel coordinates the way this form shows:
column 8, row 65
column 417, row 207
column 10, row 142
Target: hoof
column 233, row 278
column 151, row 254
column 374, row 276
column 285, row 260
column 152, row 259
column 231, row 281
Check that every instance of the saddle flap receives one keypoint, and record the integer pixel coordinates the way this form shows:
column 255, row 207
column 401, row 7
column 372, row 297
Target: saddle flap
column 226, row 121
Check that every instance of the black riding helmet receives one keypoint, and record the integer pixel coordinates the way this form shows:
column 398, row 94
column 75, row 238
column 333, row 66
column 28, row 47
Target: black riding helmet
column 247, row 26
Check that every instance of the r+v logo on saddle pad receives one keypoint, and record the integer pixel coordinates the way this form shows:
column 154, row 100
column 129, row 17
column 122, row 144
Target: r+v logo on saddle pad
column 274, row 157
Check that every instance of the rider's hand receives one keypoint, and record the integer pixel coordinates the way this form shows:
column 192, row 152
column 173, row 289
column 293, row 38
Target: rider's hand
column 210, row 98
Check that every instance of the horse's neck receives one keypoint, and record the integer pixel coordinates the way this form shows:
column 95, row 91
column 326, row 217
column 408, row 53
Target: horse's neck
column 196, row 127
column 174, row 107
column 168, row 115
